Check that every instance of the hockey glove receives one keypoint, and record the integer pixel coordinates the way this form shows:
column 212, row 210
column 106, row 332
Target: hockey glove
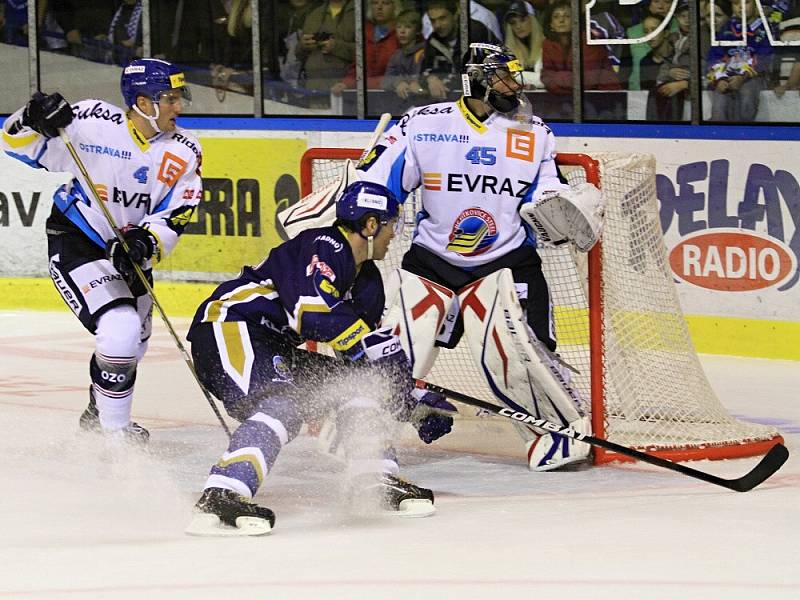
column 384, row 351
column 141, row 247
column 46, row 114
column 432, row 416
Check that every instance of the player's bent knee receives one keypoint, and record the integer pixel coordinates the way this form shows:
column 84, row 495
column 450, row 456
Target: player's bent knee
column 282, row 413
column 118, row 332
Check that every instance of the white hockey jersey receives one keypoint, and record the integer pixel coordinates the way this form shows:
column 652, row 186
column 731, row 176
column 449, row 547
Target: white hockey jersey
column 154, row 183
column 474, row 176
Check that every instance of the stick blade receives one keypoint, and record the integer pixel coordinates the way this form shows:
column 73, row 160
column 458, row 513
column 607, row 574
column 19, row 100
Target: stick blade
column 767, row 466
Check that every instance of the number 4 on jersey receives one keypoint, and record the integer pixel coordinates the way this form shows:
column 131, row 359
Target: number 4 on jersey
column 481, row 155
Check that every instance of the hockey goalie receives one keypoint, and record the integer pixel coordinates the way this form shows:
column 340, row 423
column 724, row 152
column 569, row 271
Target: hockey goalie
column 491, row 193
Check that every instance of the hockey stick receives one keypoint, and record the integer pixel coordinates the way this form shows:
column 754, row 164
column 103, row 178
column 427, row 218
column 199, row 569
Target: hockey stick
column 318, row 208
column 379, row 128
column 767, row 466
column 118, row 234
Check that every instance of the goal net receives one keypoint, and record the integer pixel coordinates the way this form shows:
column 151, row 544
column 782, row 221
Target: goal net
column 618, row 321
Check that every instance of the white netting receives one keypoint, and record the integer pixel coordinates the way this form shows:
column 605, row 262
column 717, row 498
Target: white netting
column 655, row 393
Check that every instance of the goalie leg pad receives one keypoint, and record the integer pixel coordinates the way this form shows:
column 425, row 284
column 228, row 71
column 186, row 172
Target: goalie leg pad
column 416, row 310
column 516, row 365
column 553, row 451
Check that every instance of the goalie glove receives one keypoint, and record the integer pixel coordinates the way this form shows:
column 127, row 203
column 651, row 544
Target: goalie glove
column 558, row 216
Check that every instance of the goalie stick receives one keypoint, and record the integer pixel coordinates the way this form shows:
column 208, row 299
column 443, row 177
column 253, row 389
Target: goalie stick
column 318, row 208
column 140, row 274
column 767, row 466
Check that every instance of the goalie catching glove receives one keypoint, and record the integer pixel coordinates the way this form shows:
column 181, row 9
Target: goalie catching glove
column 558, row 216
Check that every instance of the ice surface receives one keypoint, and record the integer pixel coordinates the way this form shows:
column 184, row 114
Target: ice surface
column 82, row 520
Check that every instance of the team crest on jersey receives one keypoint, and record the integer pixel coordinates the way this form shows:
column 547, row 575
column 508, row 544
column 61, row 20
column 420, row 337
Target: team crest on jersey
column 281, row 371
column 171, row 169
column 320, row 266
column 473, row 233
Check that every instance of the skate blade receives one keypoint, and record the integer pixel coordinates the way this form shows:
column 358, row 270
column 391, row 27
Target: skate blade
column 414, row 508
column 207, row 525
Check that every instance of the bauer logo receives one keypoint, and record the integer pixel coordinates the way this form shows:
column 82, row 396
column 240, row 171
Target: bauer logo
column 732, row 260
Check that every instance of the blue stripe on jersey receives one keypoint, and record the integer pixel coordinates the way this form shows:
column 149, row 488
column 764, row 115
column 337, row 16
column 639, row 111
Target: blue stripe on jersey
column 395, row 182
column 530, row 238
column 65, row 202
column 25, row 159
column 165, row 202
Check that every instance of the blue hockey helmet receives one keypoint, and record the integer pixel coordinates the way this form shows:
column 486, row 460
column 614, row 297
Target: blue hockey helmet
column 364, row 198
column 151, row 77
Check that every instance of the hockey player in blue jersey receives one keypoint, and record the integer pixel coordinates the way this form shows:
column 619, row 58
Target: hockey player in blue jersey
column 324, row 286
column 491, row 192
column 147, row 170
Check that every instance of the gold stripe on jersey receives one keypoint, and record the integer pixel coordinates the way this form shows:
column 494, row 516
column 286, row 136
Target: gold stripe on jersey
column 235, row 351
column 217, row 310
column 301, row 308
column 18, row 141
column 137, row 137
column 471, row 119
column 350, row 336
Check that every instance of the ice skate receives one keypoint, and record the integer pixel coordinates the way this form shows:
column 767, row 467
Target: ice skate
column 395, row 495
column 90, row 421
column 553, row 451
column 221, row 512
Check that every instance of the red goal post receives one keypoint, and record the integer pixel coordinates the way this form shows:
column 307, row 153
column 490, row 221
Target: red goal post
column 618, row 321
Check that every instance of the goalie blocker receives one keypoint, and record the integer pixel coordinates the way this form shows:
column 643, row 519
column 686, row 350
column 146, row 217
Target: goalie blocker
column 518, row 368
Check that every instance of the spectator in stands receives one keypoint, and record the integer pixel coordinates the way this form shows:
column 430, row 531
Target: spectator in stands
column 478, row 13
column 738, row 74
column 650, row 66
column 442, row 56
column 524, row 37
column 656, row 8
column 790, row 32
column 125, row 32
column 672, row 84
column 380, row 43
column 604, row 25
column 598, row 73
column 403, row 70
column 14, row 22
column 327, row 47
column 722, row 14
column 289, row 27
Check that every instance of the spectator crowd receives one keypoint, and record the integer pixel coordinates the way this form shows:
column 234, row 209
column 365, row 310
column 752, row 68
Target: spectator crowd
column 412, row 48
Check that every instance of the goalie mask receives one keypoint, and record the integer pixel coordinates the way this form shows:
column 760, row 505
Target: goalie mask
column 493, row 75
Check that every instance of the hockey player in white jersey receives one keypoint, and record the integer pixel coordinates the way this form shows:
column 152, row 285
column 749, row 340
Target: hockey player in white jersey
column 147, row 170
column 483, row 162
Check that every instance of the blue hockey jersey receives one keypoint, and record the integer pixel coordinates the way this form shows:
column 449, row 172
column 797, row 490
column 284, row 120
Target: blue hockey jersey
column 308, row 288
